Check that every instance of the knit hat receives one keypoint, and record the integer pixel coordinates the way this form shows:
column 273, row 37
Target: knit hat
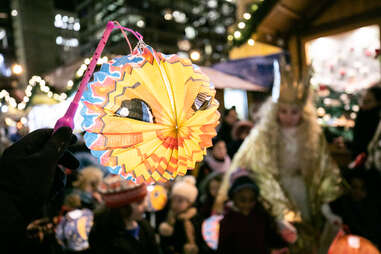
column 185, row 187
column 241, row 183
column 117, row 192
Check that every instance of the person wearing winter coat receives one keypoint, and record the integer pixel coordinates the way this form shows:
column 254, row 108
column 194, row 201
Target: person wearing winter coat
column 240, row 131
column 247, row 227
column 119, row 226
column 358, row 208
column 181, row 232
column 217, row 160
column 86, row 187
column 229, row 118
column 209, row 189
column 28, row 176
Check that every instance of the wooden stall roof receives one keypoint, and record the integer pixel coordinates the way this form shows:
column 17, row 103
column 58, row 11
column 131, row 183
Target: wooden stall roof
column 308, row 17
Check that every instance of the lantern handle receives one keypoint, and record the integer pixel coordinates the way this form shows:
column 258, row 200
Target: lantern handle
column 68, row 118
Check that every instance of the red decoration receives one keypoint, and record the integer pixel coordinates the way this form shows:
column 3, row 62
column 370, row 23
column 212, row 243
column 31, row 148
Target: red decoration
column 378, row 53
column 351, row 244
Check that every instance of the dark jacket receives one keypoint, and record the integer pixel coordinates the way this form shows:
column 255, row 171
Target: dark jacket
column 108, row 235
column 205, row 207
column 254, row 234
column 365, row 127
column 225, row 132
column 203, row 171
column 180, row 237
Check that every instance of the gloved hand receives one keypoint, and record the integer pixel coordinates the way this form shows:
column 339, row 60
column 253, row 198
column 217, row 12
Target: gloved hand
column 28, row 168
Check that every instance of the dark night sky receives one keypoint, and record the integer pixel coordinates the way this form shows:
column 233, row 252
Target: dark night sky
column 66, row 5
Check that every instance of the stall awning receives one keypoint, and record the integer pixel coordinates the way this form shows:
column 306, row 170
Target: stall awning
column 223, row 80
column 257, row 70
column 258, row 49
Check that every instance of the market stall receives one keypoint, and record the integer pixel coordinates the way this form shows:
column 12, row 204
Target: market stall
column 338, row 39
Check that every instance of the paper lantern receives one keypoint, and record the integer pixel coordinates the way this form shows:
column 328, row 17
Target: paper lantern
column 352, row 244
column 149, row 116
column 157, row 198
column 73, row 230
column 211, row 230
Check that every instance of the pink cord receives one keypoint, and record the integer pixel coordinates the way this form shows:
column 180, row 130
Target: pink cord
column 124, row 34
column 67, row 119
column 135, row 33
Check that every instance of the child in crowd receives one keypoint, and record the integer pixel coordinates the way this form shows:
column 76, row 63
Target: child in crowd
column 217, row 160
column 86, row 187
column 209, row 189
column 247, row 227
column 240, row 131
column 229, row 118
column 181, row 232
column 119, row 227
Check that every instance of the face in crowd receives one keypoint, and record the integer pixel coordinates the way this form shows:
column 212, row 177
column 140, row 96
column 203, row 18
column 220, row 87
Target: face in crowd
column 214, row 186
column 219, row 150
column 368, row 101
column 179, row 204
column 231, row 117
column 245, row 200
column 134, row 211
column 289, row 115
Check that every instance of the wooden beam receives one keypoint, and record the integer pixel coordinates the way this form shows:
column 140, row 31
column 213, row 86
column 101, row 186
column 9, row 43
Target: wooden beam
column 266, row 30
column 347, row 22
column 317, row 9
column 288, row 11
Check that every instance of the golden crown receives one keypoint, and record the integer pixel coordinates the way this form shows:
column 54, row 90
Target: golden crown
column 287, row 89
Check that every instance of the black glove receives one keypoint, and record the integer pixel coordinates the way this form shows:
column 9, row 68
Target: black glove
column 28, row 168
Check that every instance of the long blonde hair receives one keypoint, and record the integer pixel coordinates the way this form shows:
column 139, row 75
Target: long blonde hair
column 261, row 147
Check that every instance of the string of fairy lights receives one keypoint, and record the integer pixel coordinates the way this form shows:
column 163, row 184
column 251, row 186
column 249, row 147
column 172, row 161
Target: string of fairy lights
column 241, row 33
column 245, row 27
column 7, row 102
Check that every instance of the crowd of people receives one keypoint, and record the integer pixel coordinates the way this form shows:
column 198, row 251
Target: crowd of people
column 273, row 182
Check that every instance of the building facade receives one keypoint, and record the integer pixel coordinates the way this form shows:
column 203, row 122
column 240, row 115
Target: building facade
column 196, row 29
column 34, row 36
